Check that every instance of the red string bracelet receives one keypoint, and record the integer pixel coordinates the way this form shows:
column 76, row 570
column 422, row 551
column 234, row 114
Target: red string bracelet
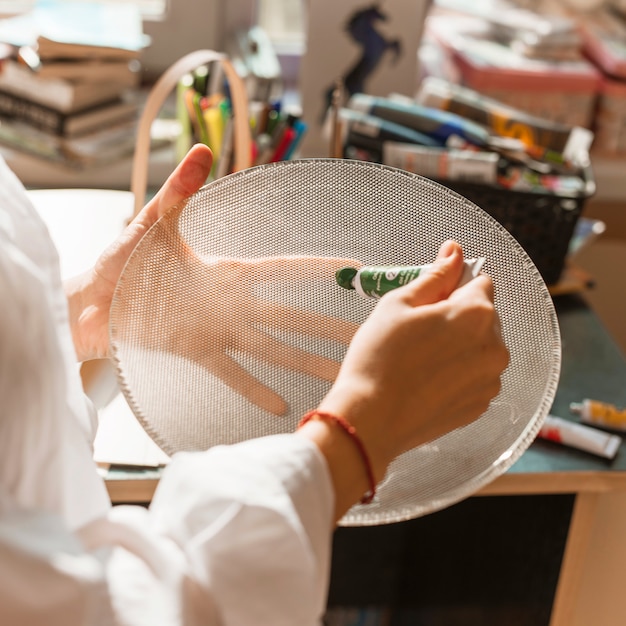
column 351, row 432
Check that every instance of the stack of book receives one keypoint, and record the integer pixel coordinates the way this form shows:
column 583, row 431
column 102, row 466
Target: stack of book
column 604, row 37
column 66, row 97
column 523, row 58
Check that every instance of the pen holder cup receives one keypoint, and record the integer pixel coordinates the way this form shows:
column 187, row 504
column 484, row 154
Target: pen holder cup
column 542, row 222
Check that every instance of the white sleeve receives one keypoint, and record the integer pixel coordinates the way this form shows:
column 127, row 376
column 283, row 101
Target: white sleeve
column 255, row 522
column 236, row 536
column 45, row 449
column 46, row 577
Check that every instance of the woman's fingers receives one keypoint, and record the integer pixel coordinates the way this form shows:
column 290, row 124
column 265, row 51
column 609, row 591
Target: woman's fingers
column 243, row 383
column 307, row 323
column 275, row 352
column 190, row 174
column 299, row 267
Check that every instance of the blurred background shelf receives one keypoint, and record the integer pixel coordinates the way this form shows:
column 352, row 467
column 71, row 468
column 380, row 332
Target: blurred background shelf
column 36, row 173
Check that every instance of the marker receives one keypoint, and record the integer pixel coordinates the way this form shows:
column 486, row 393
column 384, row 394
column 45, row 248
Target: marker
column 214, row 123
column 300, row 127
column 436, row 123
column 203, row 132
column 288, row 136
column 580, row 437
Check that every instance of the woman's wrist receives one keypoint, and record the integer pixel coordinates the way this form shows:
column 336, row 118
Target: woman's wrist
column 345, row 465
column 355, row 470
column 350, row 431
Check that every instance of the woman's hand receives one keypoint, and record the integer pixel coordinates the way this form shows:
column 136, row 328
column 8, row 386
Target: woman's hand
column 427, row 360
column 211, row 309
column 208, row 312
column 90, row 294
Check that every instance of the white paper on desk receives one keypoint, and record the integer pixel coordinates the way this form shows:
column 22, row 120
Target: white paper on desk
column 388, row 40
column 122, row 439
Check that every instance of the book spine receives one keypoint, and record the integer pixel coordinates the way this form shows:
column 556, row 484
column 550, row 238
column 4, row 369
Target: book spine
column 40, row 116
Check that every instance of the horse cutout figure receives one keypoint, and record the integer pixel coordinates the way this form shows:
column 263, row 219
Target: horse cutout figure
column 362, row 28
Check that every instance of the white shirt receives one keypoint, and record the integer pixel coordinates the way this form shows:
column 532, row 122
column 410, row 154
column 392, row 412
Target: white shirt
column 237, row 535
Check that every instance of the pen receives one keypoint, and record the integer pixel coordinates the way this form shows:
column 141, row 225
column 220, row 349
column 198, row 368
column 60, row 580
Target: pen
column 288, row 136
column 300, row 127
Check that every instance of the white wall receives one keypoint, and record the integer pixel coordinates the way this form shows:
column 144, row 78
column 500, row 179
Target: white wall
column 194, row 25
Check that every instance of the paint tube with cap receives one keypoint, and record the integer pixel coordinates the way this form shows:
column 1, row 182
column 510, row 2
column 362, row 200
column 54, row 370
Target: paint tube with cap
column 580, row 436
column 600, row 414
column 373, row 281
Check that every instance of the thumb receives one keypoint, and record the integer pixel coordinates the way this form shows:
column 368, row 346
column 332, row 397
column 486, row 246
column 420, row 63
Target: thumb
column 440, row 280
column 190, row 174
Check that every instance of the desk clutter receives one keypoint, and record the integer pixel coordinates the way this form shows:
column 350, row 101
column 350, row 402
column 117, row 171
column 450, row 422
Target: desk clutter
column 531, row 174
column 553, row 59
column 205, row 113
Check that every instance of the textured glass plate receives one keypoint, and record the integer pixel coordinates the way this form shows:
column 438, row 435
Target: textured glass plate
column 205, row 265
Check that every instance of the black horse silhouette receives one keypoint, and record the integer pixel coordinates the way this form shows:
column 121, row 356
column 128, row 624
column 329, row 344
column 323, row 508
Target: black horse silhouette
column 361, row 27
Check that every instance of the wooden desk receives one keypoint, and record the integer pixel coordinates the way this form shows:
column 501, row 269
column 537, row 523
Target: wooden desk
column 592, row 367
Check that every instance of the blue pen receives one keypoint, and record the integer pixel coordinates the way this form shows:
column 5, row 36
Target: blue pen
column 300, row 127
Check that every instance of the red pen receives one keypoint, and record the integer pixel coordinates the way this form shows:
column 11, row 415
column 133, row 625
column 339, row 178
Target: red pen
column 289, row 134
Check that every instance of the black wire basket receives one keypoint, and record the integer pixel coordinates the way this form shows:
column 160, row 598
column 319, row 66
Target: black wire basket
column 542, row 222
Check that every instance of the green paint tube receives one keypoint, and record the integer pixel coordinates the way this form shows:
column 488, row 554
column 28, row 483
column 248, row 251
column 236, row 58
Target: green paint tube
column 373, row 281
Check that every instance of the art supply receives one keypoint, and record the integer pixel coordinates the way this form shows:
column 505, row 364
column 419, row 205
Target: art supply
column 580, row 437
column 287, row 137
column 437, row 123
column 476, row 166
column 373, row 281
column 538, row 134
column 518, row 177
column 300, row 129
column 369, row 132
column 204, row 108
column 600, row 414
column 450, row 129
